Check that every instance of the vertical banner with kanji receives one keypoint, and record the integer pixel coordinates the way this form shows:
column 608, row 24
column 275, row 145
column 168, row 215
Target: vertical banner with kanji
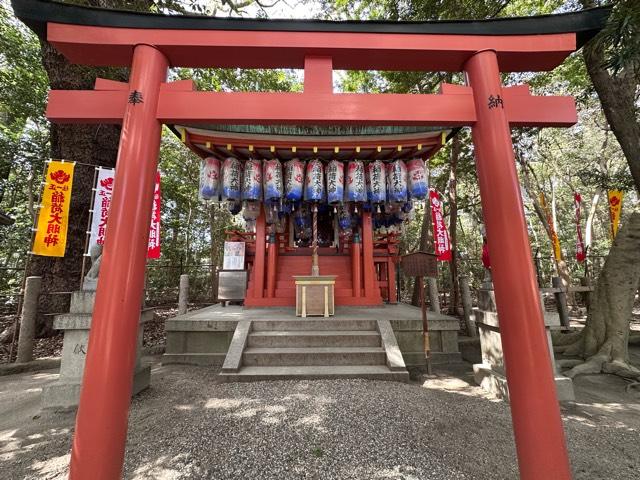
column 154, row 229
column 53, row 219
column 102, row 202
column 615, row 209
column 555, row 241
column 581, row 254
column 440, row 234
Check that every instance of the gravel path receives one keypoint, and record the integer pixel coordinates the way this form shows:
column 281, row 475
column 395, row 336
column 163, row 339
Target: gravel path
column 189, row 426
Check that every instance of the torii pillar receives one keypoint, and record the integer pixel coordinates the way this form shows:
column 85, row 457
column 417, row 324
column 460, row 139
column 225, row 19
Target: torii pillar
column 101, row 424
column 537, row 425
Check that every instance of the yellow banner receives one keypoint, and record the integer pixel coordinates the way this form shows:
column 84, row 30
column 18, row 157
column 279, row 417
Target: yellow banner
column 615, row 209
column 555, row 241
column 53, row 219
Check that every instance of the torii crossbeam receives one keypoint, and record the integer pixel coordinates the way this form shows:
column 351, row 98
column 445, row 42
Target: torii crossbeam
column 149, row 44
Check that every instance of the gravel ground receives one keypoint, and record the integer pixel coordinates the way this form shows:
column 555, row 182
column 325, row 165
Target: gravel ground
column 189, row 426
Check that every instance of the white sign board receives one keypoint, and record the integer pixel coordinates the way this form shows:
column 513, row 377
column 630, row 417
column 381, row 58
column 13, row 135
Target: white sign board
column 233, row 256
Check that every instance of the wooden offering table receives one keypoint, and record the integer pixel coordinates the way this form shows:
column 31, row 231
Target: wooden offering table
column 315, row 295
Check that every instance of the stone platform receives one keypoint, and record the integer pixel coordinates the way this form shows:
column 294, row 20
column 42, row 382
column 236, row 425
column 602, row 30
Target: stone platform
column 491, row 373
column 203, row 337
column 65, row 393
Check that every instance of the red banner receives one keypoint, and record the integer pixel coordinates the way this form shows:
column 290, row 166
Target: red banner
column 154, row 229
column 440, row 234
column 581, row 254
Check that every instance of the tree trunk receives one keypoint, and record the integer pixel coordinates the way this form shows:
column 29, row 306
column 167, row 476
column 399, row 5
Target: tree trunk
column 618, row 98
column 454, row 298
column 603, row 343
column 86, row 144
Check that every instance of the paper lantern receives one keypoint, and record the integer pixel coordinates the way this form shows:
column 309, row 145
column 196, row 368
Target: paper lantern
column 273, row 184
column 335, row 182
column 293, row 180
column 314, row 186
column 231, row 179
column 418, row 186
column 356, row 187
column 252, row 180
column 376, row 182
column 210, row 179
column 397, row 182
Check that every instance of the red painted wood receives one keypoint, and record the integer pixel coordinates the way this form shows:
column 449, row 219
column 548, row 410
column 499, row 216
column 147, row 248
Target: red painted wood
column 259, row 260
column 369, row 277
column 537, row 425
column 317, row 108
column 323, row 143
column 272, row 269
column 356, row 268
column 176, row 106
column 359, row 51
column 318, row 74
column 87, row 106
column 101, row 421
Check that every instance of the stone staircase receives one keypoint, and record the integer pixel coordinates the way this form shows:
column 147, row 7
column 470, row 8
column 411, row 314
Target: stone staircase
column 313, row 349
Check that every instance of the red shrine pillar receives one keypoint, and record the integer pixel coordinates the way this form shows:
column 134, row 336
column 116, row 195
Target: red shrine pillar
column 540, row 441
column 258, row 263
column 356, row 263
column 272, row 265
column 101, row 422
column 368, row 268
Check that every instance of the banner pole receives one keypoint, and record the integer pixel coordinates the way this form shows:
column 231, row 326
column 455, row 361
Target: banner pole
column 87, row 233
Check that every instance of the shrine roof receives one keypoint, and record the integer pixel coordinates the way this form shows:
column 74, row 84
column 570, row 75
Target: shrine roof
column 37, row 13
column 365, row 142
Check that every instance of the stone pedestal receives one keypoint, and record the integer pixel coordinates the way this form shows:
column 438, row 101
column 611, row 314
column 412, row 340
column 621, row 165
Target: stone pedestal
column 490, row 374
column 65, row 393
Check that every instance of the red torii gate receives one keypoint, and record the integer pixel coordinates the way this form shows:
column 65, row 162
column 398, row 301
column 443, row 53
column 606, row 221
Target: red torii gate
column 149, row 44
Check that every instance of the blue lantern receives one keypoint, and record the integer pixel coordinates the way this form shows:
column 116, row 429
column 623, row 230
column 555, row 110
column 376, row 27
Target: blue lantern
column 335, row 182
column 397, row 182
column 293, row 180
column 231, row 179
column 252, row 180
column 314, row 187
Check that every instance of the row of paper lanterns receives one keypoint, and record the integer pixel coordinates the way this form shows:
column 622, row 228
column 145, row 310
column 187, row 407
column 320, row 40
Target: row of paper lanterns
column 268, row 181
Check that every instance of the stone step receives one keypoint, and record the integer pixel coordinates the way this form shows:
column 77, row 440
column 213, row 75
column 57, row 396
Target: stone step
column 318, row 372
column 330, row 324
column 265, row 357
column 315, row 338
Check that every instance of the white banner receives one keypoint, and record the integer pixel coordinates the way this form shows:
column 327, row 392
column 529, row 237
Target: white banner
column 101, row 204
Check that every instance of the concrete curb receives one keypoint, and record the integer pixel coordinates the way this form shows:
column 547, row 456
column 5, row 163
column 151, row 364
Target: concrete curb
column 46, row 363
